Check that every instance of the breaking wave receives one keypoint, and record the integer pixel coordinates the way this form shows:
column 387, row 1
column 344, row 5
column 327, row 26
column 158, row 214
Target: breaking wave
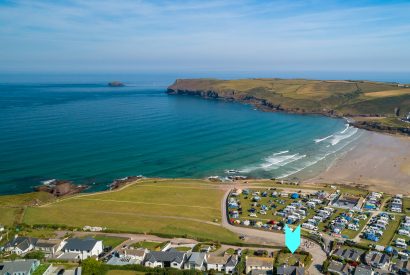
column 322, row 139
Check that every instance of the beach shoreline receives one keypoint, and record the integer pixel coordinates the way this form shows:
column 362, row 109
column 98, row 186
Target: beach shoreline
column 377, row 162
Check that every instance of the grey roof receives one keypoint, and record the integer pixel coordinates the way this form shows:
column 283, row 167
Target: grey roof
column 290, row 270
column 338, row 267
column 196, row 258
column 18, row 266
column 349, row 253
column 377, row 258
column 165, row 256
column 22, row 243
column 80, row 244
column 363, row 270
column 261, row 272
column 232, row 261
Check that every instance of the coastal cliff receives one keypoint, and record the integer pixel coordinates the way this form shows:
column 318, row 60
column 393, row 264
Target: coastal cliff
column 344, row 98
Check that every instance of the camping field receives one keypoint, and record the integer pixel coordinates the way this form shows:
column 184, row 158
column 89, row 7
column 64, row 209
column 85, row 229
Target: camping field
column 176, row 207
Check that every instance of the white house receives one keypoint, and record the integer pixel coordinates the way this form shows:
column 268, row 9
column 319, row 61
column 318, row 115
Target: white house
column 49, row 246
column 84, row 248
column 20, row 245
column 163, row 259
column 226, row 263
column 196, row 260
column 136, row 254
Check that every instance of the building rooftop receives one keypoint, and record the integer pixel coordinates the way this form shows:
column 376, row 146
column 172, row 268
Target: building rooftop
column 80, row 244
column 259, row 261
column 18, row 267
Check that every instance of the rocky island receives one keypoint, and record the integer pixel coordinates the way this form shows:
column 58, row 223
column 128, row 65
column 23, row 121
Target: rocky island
column 379, row 106
column 116, row 84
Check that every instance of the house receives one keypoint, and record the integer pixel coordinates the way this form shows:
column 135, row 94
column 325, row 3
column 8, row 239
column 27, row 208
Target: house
column 290, row 270
column 338, row 268
column 196, row 260
column 82, row 248
column 137, row 255
column 49, row 247
column 226, row 263
column 19, row 267
column 128, row 256
column 171, row 258
column 402, row 267
column 258, row 263
column 21, row 245
column 377, row 259
column 350, row 254
column 363, row 270
column 231, row 264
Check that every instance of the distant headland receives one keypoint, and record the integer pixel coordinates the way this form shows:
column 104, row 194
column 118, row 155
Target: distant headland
column 370, row 105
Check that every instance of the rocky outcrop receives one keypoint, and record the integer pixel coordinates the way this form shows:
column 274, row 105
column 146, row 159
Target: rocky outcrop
column 378, row 127
column 116, row 84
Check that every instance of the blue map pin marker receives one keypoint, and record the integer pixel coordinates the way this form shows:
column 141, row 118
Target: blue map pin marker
column 292, row 238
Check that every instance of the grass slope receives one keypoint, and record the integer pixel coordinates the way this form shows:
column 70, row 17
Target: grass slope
column 175, row 207
column 301, row 95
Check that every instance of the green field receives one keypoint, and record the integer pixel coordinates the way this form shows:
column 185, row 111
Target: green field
column 174, row 207
column 8, row 215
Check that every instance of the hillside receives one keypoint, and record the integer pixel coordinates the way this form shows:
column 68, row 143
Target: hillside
column 332, row 97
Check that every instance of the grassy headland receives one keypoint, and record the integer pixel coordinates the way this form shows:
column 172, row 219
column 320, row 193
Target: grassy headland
column 333, row 98
column 188, row 208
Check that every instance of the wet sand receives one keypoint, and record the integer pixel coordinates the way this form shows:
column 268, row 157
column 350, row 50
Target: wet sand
column 379, row 162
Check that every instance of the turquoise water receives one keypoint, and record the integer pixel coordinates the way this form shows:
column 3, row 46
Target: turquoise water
column 90, row 133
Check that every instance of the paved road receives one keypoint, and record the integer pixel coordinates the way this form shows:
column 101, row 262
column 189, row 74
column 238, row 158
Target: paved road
column 272, row 238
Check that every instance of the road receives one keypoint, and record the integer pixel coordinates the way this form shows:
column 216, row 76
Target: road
column 256, row 236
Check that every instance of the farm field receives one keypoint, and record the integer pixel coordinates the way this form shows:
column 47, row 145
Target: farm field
column 176, row 207
column 8, row 215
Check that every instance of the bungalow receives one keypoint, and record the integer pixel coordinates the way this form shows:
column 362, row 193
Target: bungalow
column 226, row 263
column 49, row 247
column 19, row 267
column 349, row 254
column 21, row 245
column 363, row 270
column 258, row 263
column 136, row 254
column 338, row 268
column 171, row 258
column 377, row 259
column 196, row 260
column 290, row 270
column 402, row 267
column 82, row 248
column 128, row 256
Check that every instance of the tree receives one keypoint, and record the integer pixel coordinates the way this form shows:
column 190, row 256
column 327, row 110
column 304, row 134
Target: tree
column 38, row 255
column 93, row 267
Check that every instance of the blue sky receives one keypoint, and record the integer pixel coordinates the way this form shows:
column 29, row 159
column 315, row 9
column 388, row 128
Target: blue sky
column 135, row 36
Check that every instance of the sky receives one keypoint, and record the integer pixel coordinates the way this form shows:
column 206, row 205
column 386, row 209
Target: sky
column 230, row 35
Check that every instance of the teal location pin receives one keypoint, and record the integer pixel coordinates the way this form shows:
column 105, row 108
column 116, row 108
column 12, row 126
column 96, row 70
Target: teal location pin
column 292, row 238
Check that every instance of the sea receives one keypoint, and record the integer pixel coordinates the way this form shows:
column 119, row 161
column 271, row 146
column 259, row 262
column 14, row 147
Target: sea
column 77, row 128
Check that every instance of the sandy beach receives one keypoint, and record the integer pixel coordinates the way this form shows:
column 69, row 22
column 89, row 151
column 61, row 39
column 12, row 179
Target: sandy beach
column 379, row 162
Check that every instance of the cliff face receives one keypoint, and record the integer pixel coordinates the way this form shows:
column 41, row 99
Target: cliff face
column 331, row 98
